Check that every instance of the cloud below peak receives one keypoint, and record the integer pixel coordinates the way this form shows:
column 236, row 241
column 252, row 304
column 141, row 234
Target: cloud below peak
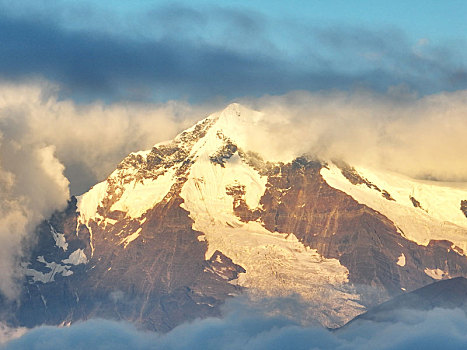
column 243, row 329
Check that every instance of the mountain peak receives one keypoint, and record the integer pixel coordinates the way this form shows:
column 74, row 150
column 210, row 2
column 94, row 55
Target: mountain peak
column 237, row 113
column 190, row 222
column 233, row 108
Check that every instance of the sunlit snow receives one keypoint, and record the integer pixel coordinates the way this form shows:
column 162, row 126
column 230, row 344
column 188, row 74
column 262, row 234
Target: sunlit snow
column 439, row 217
column 277, row 264
column 401, row 260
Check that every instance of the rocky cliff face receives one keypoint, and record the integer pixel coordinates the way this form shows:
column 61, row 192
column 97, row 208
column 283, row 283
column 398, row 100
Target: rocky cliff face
column 367, row 243
column 176, row 230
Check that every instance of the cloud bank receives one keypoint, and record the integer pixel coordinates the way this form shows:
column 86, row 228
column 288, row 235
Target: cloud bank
column 244, row 329
column 89, row 139
column 419, row 136
column 178, row 51
column 422, row 137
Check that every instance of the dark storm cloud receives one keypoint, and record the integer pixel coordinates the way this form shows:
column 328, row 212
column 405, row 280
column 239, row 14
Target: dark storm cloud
column 100, row 64
column 89, row 63
column 181, row 52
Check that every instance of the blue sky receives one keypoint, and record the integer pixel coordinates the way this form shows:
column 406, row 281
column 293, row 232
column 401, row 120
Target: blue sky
column 203, row 50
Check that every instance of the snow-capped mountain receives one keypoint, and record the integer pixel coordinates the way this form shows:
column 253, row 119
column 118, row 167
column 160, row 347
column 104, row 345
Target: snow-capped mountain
column 176, row 230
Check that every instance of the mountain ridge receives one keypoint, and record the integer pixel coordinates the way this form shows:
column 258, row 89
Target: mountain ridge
column 445, row 294
column 176, row 230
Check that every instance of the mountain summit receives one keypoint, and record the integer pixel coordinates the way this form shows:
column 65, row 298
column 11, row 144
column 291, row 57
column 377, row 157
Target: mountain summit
column 176, row 230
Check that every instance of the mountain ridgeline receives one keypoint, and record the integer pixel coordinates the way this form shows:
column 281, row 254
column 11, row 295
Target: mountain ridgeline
column 177, row 230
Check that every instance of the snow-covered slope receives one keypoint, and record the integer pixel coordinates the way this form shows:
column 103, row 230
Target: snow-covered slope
column 422, row 210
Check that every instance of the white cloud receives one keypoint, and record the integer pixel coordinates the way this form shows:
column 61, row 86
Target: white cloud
column 32, row 186
column 420, row 137
column 90, row 139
